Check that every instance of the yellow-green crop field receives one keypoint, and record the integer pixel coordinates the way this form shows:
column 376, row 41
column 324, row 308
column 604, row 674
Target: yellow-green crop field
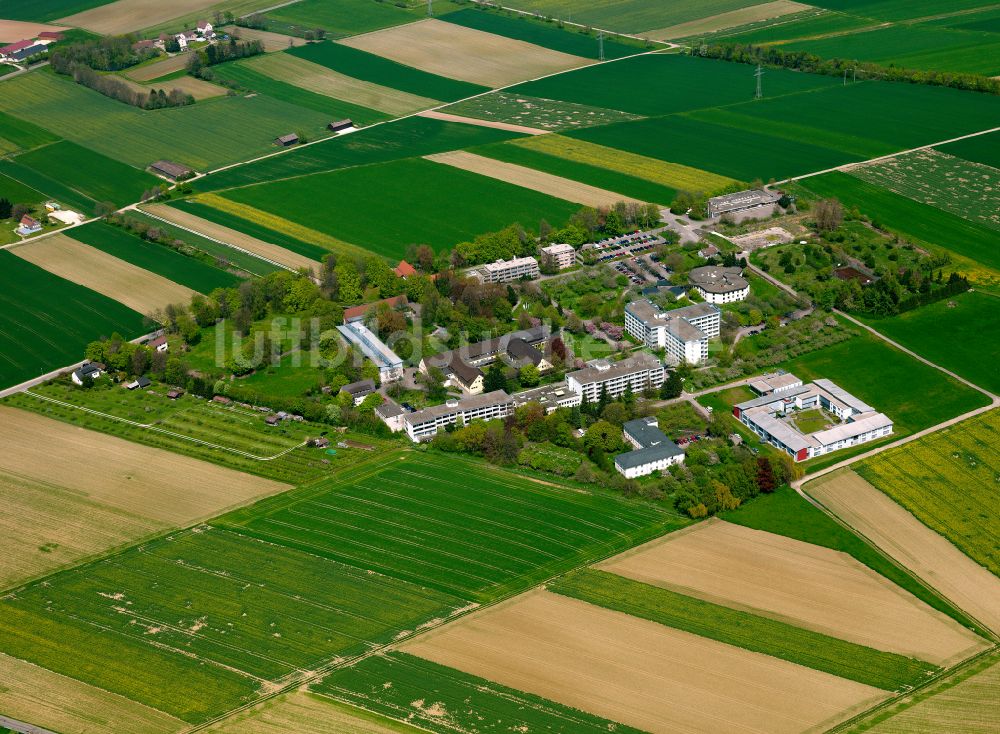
column 949, row 480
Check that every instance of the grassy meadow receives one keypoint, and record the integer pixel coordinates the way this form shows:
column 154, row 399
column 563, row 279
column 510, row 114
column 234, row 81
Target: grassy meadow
column 339, row 18
column 397, row 685
column 417, row 518
column 46, row 322
column 947, row 480
column 384, row 207
column 884, row 670
column 200, row 620
column 154, row 257
column 961, row 334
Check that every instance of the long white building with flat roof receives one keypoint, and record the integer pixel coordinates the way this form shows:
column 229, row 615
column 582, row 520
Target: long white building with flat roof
column 390, row 364
column 423, row 425
column 684, row 332
column 771, row 416
column 503, row 271
column 635, row 373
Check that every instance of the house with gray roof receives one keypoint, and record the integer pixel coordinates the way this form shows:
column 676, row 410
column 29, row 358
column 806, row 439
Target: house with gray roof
column 653, row 451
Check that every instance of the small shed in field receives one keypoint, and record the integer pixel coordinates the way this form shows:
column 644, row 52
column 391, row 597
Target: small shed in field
column 171, row 170
column 340, row 125
column 286, row 140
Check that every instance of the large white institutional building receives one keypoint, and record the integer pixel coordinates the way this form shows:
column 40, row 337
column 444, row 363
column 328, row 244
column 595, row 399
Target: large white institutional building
column 683, row 332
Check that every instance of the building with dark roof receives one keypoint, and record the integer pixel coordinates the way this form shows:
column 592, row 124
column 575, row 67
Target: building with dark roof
column 340, row 125
column 720, row 284
column 171, row 170
column 742, row 201
column 391, row 413
column 286, row 140
column 521, row 354
column 653, row 451
column 93, row 370
column 359, row 390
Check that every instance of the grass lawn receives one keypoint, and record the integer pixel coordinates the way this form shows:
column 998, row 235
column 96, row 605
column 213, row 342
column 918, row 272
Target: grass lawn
column 286, row 379
column 948, row 481
column 785, row 512
column 885, row 670
column 384, row 207
column 810, row 421
column 417, row 517
column 390, row 684
column 154, row 257
column 46, row 322
column 679, row 420
column 964, row 339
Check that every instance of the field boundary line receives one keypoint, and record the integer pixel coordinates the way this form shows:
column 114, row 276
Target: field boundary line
column 135, row 207
column 151, row 427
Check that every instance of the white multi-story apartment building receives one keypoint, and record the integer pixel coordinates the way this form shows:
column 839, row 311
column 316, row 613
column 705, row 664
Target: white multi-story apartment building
column 423, row 425
column 503, row 271
column 720, row 285
column 636, row 373
column 564, row 256
column 683, row 333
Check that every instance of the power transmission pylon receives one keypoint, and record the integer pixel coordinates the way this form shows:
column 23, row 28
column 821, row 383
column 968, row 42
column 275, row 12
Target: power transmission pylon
column 600, row 45
column 760, row 92
column 430, row 7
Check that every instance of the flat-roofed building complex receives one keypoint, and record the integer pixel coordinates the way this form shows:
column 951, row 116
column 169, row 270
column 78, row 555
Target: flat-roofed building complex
column 635, row 373
column 684, row 332
column 653, row 450
column 742, row 201
column 563, row 256
column 424, row 424
column 390, row 365
column 550, row 397
column 503, row 271
column 772, row 416
column 720, row 285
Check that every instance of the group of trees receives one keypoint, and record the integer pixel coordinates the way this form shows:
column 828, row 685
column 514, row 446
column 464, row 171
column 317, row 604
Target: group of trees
column 745, row 53
column 154, row 233
column 13, row 211
column 218, row 53
column 111, row 53
column 120, row 90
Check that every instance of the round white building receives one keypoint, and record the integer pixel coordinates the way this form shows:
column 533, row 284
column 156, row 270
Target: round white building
column 720, row 285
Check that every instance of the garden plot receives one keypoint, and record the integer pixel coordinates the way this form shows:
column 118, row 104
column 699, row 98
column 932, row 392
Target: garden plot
column 537, row 113
column 146, row 482
column 546, row 183
column 135, row 287
column 970, row 190
column 323, row 80
column 467, row 54
column 204, row 227
column 638, row 672
column 798, row 583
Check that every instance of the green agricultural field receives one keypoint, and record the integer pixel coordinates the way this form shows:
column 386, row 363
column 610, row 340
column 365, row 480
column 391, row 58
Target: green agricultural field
column 961, row 333
column 418, row 518
column 637, row 188
column 984, row 20
column 18, row 135
column 885, row 670
column 91, row 174
column 898, row 9
column 785, row 512
column 543, row 114
column 913, row 47
column 913, row 394
column 629, row 16
column 739, row 154
column 46, row 10
column 964, row 701
column 45, row 321
column 787, row 29
column 251, row 228
column 413, row 136
column 395, row 683
column 980, row 149
column 378, row 70
column 156, row 258
column 335, row 109
column 664, row 84
column 50, row 188
column 247, row 263
column 948, row 481
column 915, row 221
column 547, row 35
column 18, row 193
column 234, row 437
column 384, row 207
column 339, row 18
column 196, row 623
column 204, row 135
column 968, row 190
